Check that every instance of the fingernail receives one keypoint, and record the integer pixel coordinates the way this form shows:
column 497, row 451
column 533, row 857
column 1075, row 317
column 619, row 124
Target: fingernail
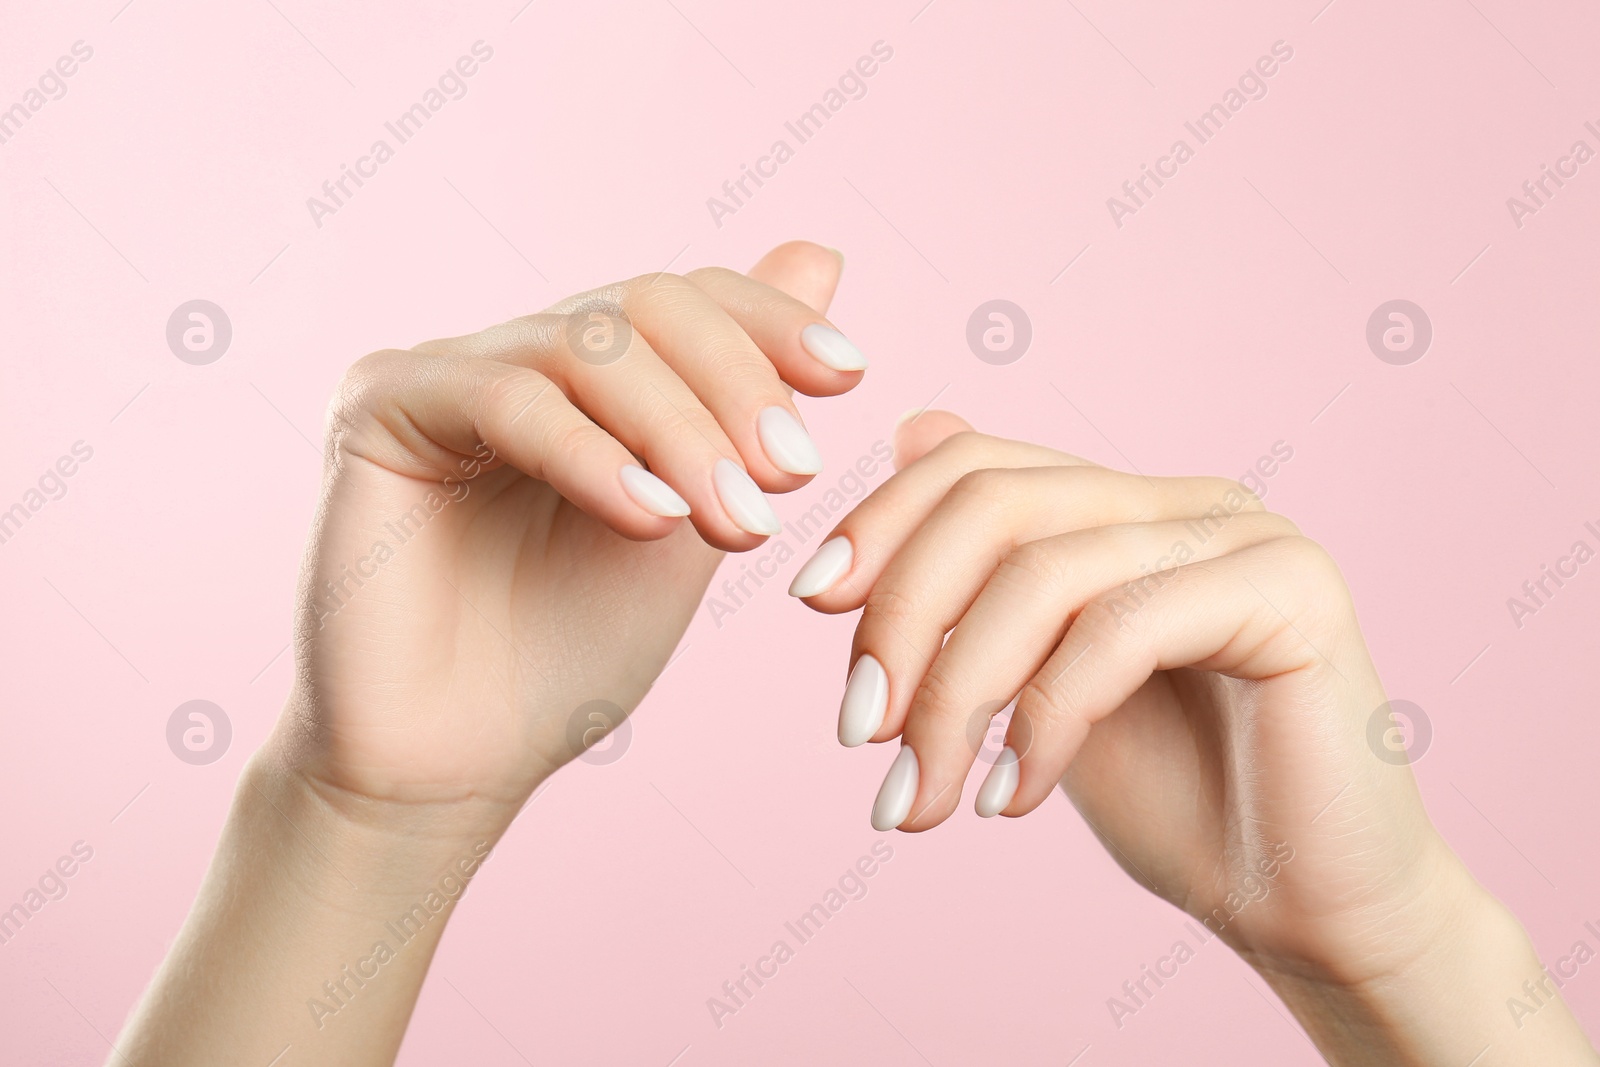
column 839, row 256
column 653, row 494
column 832, row 348
column 908, row 416
column 1000, row 786
column 746, row 504
column 787, row 444
column 899, row 789
column 866, row 698
column 823, row 570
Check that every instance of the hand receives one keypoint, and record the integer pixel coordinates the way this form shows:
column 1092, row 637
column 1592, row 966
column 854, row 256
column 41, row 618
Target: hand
column 489, row 556
column 1188, row 667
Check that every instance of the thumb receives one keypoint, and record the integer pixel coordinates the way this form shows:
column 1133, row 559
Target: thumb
column 918, row 431
column 808, row 272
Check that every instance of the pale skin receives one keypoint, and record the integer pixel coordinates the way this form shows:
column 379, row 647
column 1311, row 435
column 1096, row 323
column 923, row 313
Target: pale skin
column 1224, row 716
column 1206, row 708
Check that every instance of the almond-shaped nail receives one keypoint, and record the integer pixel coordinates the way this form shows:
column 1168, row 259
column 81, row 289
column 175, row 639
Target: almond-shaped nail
column 899, row 789
column 746, row 504
column 823, row 570
column 866, row 698
column 1000, row 786
column 832, row 348
column 653, row 494
column 786, row 442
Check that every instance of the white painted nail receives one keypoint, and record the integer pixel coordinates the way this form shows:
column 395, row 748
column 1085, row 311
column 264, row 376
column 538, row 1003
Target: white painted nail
column 899, row 789
column 1000, row 786
column 866, row 698
column 823, row 570
column 832, row 348
column 746, row 504
column 786, row 442
column 653, row 494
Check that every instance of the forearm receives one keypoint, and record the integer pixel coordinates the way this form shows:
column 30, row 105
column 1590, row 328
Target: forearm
column 1455, row 1004
column 313, row 930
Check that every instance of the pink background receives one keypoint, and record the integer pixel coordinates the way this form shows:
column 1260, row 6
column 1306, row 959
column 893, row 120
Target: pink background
column 1228, row 314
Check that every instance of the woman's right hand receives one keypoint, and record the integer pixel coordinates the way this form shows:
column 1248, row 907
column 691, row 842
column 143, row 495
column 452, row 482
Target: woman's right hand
column 491, row 562
column 516, row 526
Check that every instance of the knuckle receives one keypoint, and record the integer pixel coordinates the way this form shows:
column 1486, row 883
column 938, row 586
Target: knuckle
column 938, row 692
column 574, row 439
column 889, row 606
column 1038, row 701
column 738, row 294
column 364, row 389
column 376, row 366
column 505, row 395
column 1043, row 712
column 981, row 487
column 1113, row 617
column 1280, row 525
column 741, row 367
column 539, row 335
column 1035, row 564
column 1235, row 495
column 1309, row 558
column 605, row 298
column 663, row 286
column 713, row 275
column 689, row 426
column 1314, row 589
column 963, row 449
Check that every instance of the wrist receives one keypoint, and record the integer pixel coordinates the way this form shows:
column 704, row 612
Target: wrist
column 352, row 850
column 374, row 801
column 1443, row 996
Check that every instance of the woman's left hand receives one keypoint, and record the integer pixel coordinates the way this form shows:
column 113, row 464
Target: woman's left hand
column 1184, row 663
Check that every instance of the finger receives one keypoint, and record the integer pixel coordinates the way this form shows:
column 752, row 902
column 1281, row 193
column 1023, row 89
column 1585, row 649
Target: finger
column 806, row 271
column 425, row 417
column 1018, row 619
column 611, row 372
column 935, row 575
column 730, row 375
column 808, row 351
column 1261, row 614
column 919, row 430
column 854, row 554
